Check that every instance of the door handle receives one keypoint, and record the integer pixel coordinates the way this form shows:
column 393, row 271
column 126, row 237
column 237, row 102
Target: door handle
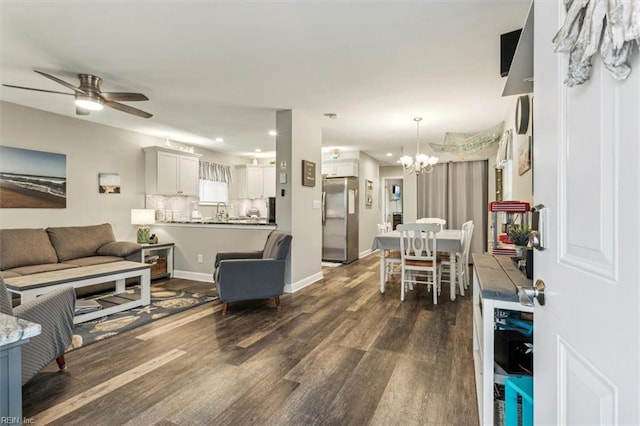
column 539, row 228
column 526, row 294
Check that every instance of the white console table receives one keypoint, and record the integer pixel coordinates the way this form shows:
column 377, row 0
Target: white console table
column 166, row 249
column 14, row 332
column 495, row 282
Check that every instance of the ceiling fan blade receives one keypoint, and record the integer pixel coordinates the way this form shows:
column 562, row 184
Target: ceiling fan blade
column 127, row 108
column 37, row 90
column 123, row 96
column 64, row 83
column 82, row 111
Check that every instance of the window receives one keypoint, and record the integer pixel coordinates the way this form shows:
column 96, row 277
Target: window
column 213, row 192
column 214, row 183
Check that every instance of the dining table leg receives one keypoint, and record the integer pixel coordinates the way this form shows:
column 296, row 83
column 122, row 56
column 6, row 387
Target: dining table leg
column 382, row 270
column 452, row 275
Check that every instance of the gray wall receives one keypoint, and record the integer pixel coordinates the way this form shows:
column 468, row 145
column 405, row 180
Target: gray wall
column 90, row 149
column 369, row 216
column 300, row 138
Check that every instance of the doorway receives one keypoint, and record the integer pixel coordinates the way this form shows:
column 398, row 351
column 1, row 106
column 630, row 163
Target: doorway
column 392, row 196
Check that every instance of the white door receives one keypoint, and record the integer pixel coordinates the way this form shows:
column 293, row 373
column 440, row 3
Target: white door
column 586, row 171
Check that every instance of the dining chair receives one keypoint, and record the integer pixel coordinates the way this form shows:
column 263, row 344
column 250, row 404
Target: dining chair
column 437, row 220
column 464, row 261
column 462, row 258
column 391, row 257
column 418, row 251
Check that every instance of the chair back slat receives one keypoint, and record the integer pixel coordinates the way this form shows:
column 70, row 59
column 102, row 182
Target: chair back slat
column 435, row 220
column 418, row 240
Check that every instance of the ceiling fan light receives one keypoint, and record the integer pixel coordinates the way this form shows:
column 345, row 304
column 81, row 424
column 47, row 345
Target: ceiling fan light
column 88, row 103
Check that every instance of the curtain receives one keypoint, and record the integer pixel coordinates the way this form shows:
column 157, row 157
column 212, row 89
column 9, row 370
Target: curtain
column 457, row 192
column 214, row 172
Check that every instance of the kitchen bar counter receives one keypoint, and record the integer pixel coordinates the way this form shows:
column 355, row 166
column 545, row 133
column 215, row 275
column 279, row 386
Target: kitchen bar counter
column 197, row 243
column 235, row 224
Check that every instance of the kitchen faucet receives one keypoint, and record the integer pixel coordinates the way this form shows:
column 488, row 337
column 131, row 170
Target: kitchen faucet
column 218, row 214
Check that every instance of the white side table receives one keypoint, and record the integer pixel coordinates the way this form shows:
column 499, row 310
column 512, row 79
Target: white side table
column 161, row 249
column 14, row 332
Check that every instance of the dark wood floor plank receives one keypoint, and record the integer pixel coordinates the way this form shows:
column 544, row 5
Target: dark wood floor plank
column 336, row 352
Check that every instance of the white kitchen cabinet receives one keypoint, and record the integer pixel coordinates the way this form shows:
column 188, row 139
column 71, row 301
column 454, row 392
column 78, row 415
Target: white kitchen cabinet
column 255, row 181
column 269, row 184
column 170, row 172
column 340, row 168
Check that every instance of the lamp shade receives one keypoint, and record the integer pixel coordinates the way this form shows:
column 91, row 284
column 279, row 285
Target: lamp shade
column 143, row 216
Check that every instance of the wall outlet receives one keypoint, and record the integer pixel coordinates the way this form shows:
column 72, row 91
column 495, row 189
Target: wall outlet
column 200, row 258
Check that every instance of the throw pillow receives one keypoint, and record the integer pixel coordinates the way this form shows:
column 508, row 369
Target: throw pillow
column 119, row 248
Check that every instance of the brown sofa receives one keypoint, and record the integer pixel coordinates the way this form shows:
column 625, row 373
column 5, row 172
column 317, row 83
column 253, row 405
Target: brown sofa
column 31, row 251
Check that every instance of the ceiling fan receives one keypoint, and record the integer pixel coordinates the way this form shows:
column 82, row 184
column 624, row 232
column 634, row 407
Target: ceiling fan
column 89, row 97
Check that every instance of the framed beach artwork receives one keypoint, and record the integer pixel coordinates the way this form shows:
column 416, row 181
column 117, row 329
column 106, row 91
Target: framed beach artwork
column 524, row 157
column 109, row 183
column 32, row 179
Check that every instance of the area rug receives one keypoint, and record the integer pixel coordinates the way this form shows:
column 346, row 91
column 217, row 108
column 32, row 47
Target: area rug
column 164, row 302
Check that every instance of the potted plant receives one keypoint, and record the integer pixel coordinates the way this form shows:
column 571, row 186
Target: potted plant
column 519, row 235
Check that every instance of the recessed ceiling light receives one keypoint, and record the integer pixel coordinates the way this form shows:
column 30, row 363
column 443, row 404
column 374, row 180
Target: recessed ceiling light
column 258, row 150
column 219, row 140
column 389, row 154
column 273, row 133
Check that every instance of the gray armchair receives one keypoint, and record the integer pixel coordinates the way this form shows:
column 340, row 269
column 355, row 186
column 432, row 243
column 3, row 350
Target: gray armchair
column 253, row 275
column 54, row 312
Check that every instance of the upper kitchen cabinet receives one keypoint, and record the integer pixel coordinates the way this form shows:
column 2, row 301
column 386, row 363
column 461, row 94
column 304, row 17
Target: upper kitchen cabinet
column 255, row 181
column 170, row 172
column 340, row 168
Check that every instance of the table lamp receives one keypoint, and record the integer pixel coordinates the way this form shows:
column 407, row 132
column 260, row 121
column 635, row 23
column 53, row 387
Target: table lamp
column 143, row 218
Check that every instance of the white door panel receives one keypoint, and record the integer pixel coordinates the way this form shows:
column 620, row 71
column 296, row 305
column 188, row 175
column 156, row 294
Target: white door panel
column 586, row 170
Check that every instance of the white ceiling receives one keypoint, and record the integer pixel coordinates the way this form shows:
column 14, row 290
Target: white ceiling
column 222, row 69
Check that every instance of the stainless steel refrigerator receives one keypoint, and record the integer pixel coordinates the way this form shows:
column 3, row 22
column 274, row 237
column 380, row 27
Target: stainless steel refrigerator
column 340, row 219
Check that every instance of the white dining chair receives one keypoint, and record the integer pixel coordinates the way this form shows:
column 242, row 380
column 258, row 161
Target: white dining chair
column 463, row 262
column 391, row 257
column 419, row 263
column 437, row 220
column 462, row 258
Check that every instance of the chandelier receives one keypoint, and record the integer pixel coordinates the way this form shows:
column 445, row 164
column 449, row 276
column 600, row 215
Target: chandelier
column 422, row 163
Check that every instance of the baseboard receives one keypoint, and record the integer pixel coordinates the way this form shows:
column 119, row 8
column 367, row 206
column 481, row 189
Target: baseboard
column 365, row 253
column 299, row 285
column 196, row 276
column 289, row 288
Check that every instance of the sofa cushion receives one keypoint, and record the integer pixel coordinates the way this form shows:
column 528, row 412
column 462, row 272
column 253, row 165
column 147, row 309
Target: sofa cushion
column 73, row 242
column 23, row 247
column 9, row 274
column 119, row 248
column 36, row 269
column 94, row 260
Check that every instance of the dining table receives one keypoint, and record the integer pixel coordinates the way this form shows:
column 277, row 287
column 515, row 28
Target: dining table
column 447, row 240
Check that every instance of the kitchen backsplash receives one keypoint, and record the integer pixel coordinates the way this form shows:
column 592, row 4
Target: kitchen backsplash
column 180, row 208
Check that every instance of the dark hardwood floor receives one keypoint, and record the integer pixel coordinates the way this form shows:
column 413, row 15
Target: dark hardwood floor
column 337, row 352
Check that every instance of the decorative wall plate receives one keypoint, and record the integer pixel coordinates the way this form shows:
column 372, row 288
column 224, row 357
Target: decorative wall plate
column 522, row 115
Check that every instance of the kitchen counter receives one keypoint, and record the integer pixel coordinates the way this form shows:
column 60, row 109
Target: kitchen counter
column 231, row 224
column 197, row 243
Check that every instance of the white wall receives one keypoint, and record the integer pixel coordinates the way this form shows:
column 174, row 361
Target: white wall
column 90, row 149
column 300, row 138
column 369, row 216
column 521, row 186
